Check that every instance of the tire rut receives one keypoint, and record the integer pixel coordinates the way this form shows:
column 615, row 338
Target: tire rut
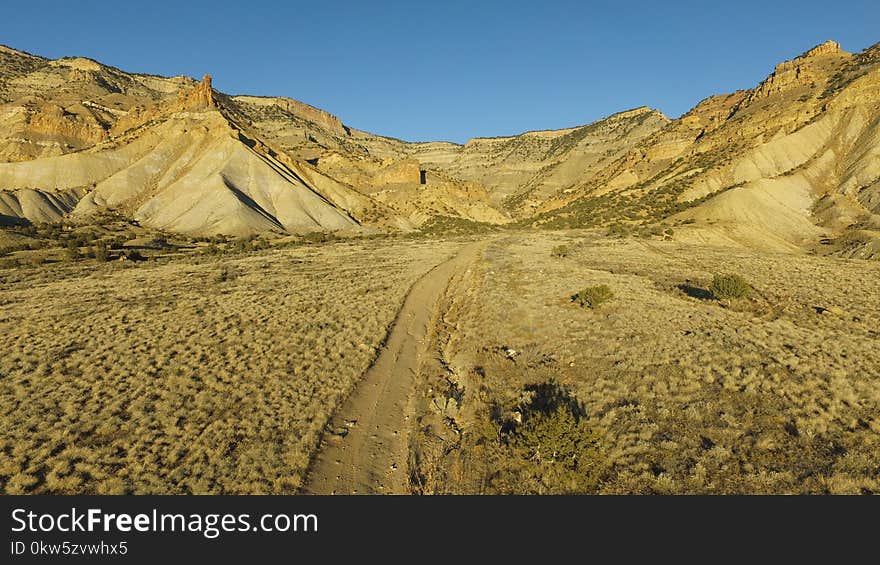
column 364, row 448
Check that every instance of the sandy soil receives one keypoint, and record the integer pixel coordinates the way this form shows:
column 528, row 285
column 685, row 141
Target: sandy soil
column 366, row 445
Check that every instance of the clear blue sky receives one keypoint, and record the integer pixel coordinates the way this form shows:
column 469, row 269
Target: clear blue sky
column 451, row 69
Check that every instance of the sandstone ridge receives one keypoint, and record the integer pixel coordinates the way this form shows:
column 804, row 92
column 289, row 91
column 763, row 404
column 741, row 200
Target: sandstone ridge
column 786, row 163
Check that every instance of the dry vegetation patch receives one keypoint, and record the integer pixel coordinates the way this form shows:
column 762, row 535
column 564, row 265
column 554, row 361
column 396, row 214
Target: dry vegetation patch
column 203, row 375
column 778, row 392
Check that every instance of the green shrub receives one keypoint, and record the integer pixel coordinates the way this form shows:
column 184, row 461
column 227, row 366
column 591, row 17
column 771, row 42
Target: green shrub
column 593, row 296
column 260, row 244
column 35, row 260
column 242, row 246
column 618, row 230
column 225, row 274
column 729, row 287
column 560, row 251
column 135, row 255
column 101, row 252
column 561, row 452
column 650, row 231
column 317, row 237
column 554, row 437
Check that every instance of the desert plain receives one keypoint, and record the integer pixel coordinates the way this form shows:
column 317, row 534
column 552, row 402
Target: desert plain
column 203, row 293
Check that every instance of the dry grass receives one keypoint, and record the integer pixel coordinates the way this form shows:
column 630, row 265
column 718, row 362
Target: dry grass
column 202, row 375
column 777, row 393
column 216, row 374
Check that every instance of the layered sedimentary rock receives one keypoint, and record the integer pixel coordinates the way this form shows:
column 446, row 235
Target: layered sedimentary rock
column 793, row 160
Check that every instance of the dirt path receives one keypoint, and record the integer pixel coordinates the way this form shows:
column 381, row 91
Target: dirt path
column 365, row 447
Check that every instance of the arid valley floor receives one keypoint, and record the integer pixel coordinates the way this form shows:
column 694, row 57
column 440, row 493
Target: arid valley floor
column 208, row 293
column 207, row 374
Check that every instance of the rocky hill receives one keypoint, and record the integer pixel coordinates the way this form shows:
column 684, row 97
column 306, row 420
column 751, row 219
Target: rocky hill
column 172, row 154
column 787, row 164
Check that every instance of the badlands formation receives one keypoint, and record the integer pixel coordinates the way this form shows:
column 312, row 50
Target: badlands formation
column 787, row 164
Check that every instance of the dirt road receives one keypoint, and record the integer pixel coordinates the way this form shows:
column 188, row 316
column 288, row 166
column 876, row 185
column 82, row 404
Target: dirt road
column 364, row 449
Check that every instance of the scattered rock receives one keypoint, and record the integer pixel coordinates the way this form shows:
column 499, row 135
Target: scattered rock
column 830, row 310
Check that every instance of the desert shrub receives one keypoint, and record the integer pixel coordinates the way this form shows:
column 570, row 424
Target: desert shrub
column 225, row 274
column 560, row 251
column 556, row 440
column 725, row 287
column 650, row 231
column 49, row 231
column 593, row 296
column 438, row 225
column 537, row 439
column 618, row 230
column 35, row 260
column 101, row 252
column 553, row 437
column 10, row 263
column 25, row 228
column 318, row 237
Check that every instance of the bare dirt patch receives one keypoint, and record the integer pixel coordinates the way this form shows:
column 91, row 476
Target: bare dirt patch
column 365, row 448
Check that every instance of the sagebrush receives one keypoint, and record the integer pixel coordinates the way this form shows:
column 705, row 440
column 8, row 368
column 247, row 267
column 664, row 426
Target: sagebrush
column 593, row 296
column 727, row 287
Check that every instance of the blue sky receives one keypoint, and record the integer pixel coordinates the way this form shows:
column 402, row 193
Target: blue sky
column 452, row 69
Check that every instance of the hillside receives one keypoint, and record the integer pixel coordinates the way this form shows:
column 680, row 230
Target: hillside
column 172, row 154
column 783, row 165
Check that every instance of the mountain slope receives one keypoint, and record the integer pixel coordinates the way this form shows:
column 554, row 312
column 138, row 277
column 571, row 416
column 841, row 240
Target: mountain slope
column 522, row 171
column 779, row 166
column 187, row 168
column 786, row 164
